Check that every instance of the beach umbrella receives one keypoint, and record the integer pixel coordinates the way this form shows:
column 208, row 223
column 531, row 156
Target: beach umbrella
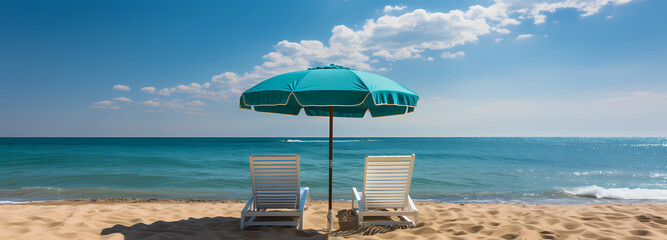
column 333, row 91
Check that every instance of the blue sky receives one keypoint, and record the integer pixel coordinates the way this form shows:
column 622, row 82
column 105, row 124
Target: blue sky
column 481, row 68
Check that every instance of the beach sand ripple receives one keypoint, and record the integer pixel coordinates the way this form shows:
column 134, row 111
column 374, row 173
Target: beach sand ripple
column 195, row 219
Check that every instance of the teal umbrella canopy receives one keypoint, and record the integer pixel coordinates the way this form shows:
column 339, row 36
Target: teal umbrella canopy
column 332, row 91
column 350, row 92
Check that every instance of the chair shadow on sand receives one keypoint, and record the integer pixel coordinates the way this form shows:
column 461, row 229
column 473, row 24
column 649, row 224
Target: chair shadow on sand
column 208, row 228
column 228, row 228
column 348, row 226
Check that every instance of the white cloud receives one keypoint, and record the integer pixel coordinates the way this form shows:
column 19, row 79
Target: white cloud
column 537, row 9
column 196, row 103
column 497, row 40
column 524, row 36
column 501, row 30
column 384, row 54
column 497, row 12
column 429, row 59
column 637, row 96
column 390, row 8
column 508, row 22
column 122, row 99
column 103, row 105
column 388, row 37
column 453, row 55
column 151, row 103
column 164, row 92
column 121, row 87
column 148, row 89
column 176, row 103
column 609, row 17
column 406, row 36
column 196, row 89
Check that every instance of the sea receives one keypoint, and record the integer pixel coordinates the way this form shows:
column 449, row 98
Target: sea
column 527, row 170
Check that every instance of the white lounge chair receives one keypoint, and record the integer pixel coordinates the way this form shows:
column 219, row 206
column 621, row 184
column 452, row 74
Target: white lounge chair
column 386, row 186
column 276, row 191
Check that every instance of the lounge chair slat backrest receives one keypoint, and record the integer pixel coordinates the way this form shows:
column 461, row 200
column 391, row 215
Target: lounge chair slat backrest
column 275, row 181
column 387, row 181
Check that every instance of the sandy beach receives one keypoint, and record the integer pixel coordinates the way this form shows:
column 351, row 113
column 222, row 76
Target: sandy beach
column 463, row 120
column 176, row 219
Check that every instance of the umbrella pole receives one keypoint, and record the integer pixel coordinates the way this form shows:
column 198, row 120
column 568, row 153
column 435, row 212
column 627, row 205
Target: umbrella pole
column 330, row 214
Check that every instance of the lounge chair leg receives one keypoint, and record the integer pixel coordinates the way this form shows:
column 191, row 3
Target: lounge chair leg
column 242, row 220
column 330, row 220
column 301, row 221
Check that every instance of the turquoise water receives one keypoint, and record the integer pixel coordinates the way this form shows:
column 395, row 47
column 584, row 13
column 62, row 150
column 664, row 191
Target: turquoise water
column 523, row 170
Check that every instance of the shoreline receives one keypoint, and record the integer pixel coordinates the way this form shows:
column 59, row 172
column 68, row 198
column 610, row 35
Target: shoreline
column 124, row 218
column 573, row 200
column 115, row 200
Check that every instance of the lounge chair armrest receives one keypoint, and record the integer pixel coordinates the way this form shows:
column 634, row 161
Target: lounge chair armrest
column 357, row 196
column 304, row 199
column 412, row 204
column 247, row 205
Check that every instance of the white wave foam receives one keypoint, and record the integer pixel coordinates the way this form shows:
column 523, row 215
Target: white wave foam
column 44, row 188
column 619, row 193
column 649, row 145
column 606, row 173
column 659, row 175
column 616, row 173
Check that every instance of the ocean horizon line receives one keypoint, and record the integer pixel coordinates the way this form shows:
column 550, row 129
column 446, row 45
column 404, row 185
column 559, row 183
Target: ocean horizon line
column 334, row 137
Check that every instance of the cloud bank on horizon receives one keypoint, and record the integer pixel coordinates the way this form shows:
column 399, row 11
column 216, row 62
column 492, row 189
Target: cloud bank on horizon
column 415, row 34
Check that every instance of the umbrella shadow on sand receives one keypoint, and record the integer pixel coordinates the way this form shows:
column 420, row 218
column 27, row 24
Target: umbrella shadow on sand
column 207, row 228
column 228, row 228
column 347, row 220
